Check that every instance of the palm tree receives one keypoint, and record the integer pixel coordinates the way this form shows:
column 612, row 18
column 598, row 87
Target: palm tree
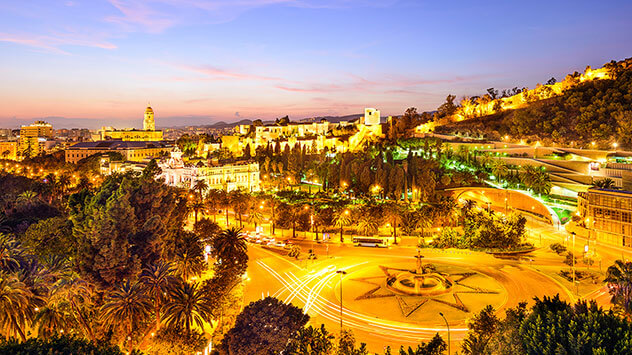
column 224, row 201
column 230, row 247
column 273, row 203
column 292, row 215
column 83, row 184
column 51, row 186
column 367, row 224
column 27, row 198
column 213, row 202
column 189, row 256
column 499, row 169
column 425, row 218
column 467, row 206
column 126, row 306
column 394, row 216
column 188, row 305
column 200, row 186
column 619, row 279
column 63, row 181
column 157, row 279
column 541, row 183
column 197, row 206
column 527, row 175
column 255, row 216
column 606, row 183
column 446, row 209
column 342, row 218
column 78, row 294
column 50, row 320
column 11, row 253
column 36, row 279
column 14, row 302
column 240, row 203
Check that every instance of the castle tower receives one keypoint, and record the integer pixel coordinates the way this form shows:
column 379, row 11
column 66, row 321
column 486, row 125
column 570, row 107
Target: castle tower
column 371, row 117
column 148, row 122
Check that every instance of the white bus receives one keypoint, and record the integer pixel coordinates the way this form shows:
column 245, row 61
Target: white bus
column 378, row 242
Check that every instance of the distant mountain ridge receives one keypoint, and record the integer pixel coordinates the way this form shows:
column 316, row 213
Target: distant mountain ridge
column 223, row 124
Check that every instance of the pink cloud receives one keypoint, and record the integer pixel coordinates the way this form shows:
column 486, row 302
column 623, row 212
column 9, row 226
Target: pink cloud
column 53, row 42
column 313, row 89
column 382, row 84
column 142, row 14
column 155, row 16
column 213, row 73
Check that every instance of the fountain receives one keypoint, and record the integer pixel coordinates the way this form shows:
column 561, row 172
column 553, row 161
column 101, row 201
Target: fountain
column 423, row 281
column 413, row 288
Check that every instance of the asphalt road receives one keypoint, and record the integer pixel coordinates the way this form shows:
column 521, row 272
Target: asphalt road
column 314, row 286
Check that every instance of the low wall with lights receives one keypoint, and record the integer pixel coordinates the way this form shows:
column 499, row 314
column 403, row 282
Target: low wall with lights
column 500, row 199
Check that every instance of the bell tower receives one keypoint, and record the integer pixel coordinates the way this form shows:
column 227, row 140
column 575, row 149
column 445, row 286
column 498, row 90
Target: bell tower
column 148, row 122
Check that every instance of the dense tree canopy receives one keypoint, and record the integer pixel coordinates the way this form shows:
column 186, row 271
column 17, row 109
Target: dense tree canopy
column 264, row 327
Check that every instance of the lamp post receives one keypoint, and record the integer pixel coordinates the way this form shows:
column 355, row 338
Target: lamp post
column 341, row 273
column 447, row 325
column 573, row 253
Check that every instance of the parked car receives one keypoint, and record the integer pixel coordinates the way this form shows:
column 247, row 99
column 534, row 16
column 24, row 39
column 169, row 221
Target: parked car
column 278, row 243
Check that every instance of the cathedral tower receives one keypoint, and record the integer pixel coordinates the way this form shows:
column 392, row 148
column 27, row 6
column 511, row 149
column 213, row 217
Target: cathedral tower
column 148, row 122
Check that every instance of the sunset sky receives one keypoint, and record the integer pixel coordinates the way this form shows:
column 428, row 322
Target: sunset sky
column 92, row 63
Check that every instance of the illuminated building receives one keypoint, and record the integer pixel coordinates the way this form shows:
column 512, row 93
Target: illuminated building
column 607, row 215
column 9, row 150
column 148, row 133
column 33, row 138
column 228, row 177
column 371, row 117
column 130, row 150
column 314, row 137
column 292, row 129
column 148, row 120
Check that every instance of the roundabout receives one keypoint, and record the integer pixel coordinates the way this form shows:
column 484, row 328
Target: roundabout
column 395, row 296
column 397, row 291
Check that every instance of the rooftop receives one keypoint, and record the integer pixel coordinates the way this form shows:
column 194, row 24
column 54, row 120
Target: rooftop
column 115, row 144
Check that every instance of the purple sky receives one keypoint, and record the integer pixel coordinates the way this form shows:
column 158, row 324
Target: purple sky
column 98, row 62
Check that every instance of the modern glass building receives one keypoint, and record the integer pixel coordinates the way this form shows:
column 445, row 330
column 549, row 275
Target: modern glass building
column 607, row 214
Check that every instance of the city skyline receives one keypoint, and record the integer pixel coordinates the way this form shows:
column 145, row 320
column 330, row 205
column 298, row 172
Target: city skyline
column 200, row 62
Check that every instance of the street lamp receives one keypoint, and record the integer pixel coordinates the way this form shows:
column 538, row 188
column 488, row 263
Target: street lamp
column 573, row 253
column 342, row 273
column 447, row 325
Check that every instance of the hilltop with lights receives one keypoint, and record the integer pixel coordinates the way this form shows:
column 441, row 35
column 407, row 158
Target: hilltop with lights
column 589, row 108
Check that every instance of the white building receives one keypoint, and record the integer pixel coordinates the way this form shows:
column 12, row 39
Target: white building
column 371, row 117
column 228, row 177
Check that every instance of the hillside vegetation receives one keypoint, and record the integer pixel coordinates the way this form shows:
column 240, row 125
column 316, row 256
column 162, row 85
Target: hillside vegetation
column 592, row 107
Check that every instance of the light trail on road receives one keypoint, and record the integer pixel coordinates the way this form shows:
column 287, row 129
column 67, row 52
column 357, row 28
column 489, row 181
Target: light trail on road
column 308, row 288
